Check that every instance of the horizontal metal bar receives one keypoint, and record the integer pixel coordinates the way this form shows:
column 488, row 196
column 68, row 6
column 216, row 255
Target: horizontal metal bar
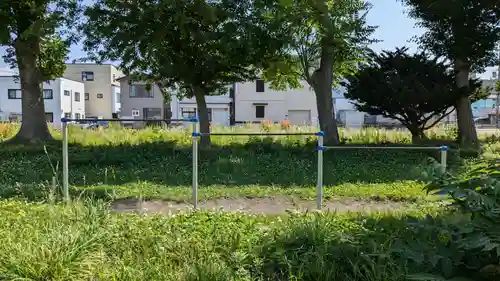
column 386, row 147
column 124, row 119
column 257, row 134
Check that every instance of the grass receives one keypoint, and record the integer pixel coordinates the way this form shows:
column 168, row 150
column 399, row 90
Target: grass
column 87, row 242
column 156, row 163
column 44, row 240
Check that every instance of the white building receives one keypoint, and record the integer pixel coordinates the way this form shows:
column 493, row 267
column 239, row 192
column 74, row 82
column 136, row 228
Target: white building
column 62, row 98
column 256, row 102
column 218, row 108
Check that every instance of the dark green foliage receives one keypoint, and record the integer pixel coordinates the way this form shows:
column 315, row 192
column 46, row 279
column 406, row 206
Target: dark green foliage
column 463, row 29
column 182, row 44
column 469, row 244
column 328, row 40
column 50, row 23
column 413, row 89
column 37, row 36
column 463, row 32
column 190, row 48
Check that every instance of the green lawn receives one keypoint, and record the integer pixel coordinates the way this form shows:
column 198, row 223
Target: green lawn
column 160, row 170
column 85, row 240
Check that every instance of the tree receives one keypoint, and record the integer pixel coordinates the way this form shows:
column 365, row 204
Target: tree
column 413, row 89
column 37, row 35
column 464, row 32
column 329, row 39
column 195, row 47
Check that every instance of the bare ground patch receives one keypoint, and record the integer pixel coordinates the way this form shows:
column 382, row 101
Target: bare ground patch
column 257, row 205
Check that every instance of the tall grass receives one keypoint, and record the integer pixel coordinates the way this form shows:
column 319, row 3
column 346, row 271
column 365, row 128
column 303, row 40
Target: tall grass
column 181, row 135
column 84, row 241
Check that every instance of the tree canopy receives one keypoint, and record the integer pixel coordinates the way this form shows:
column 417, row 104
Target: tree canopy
column 193, row 47
column 328, row 39
column 413, row 89
column 464, row 32
column 37, row 35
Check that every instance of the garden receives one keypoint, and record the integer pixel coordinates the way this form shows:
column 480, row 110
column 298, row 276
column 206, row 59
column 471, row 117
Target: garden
column 130, row 216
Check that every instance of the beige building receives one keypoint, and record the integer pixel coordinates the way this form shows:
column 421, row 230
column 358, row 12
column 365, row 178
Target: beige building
column 102, row 90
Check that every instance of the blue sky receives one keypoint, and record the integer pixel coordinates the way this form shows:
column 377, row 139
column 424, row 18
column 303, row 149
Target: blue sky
column 394, row 29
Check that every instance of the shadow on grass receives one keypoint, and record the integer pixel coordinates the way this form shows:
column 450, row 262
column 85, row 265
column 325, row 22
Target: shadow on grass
column 262, row 163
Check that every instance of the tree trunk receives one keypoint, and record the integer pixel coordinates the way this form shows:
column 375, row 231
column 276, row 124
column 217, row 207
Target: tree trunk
column 203, row 116
column 467, row 134
column 417, row 134
column 33, row 126
column 322, row 80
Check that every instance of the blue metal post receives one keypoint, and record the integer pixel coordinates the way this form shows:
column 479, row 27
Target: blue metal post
column 319, row 187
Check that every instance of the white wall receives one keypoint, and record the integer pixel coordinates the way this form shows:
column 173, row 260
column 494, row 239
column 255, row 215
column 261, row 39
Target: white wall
column 277, row 103
column 68, row 103
column 58, row 105
column 116, row 102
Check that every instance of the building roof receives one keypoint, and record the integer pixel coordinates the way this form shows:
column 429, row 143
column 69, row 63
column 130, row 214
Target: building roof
column 122, row 78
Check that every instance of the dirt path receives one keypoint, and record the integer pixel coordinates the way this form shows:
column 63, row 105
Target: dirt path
column 257, row 205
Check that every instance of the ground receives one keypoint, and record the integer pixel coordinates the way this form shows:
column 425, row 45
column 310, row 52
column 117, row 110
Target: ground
column 131, row 216
column 271, row 206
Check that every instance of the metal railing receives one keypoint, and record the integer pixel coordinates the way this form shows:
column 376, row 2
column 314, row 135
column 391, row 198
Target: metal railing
column 443, row 149
column 196, row 134
column 65, row 153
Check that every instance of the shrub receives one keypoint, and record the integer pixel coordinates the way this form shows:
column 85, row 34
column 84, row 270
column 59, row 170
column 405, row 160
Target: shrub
column 470, row 245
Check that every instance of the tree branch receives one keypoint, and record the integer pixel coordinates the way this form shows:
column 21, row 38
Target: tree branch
column 439, row 119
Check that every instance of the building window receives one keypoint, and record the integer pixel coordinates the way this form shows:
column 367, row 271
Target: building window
column 87, row 96
column 88, row 76
column 118, row 97
column 77, row 96
column 99, row 96
column 151, row 113
column 260, row 111
column 14, row 94
column 141, row 91
column 259, row 86
column 48, row 94
column 77, row 116
column 67, row 93
column 135, row 113
column 114, row 77
column 67, row 115
column 49, row 117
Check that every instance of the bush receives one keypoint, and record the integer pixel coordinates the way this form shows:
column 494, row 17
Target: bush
column 470, row 245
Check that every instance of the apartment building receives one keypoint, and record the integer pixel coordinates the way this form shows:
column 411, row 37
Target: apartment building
column 62, row 98
column 143, row 101
column 102, row 90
